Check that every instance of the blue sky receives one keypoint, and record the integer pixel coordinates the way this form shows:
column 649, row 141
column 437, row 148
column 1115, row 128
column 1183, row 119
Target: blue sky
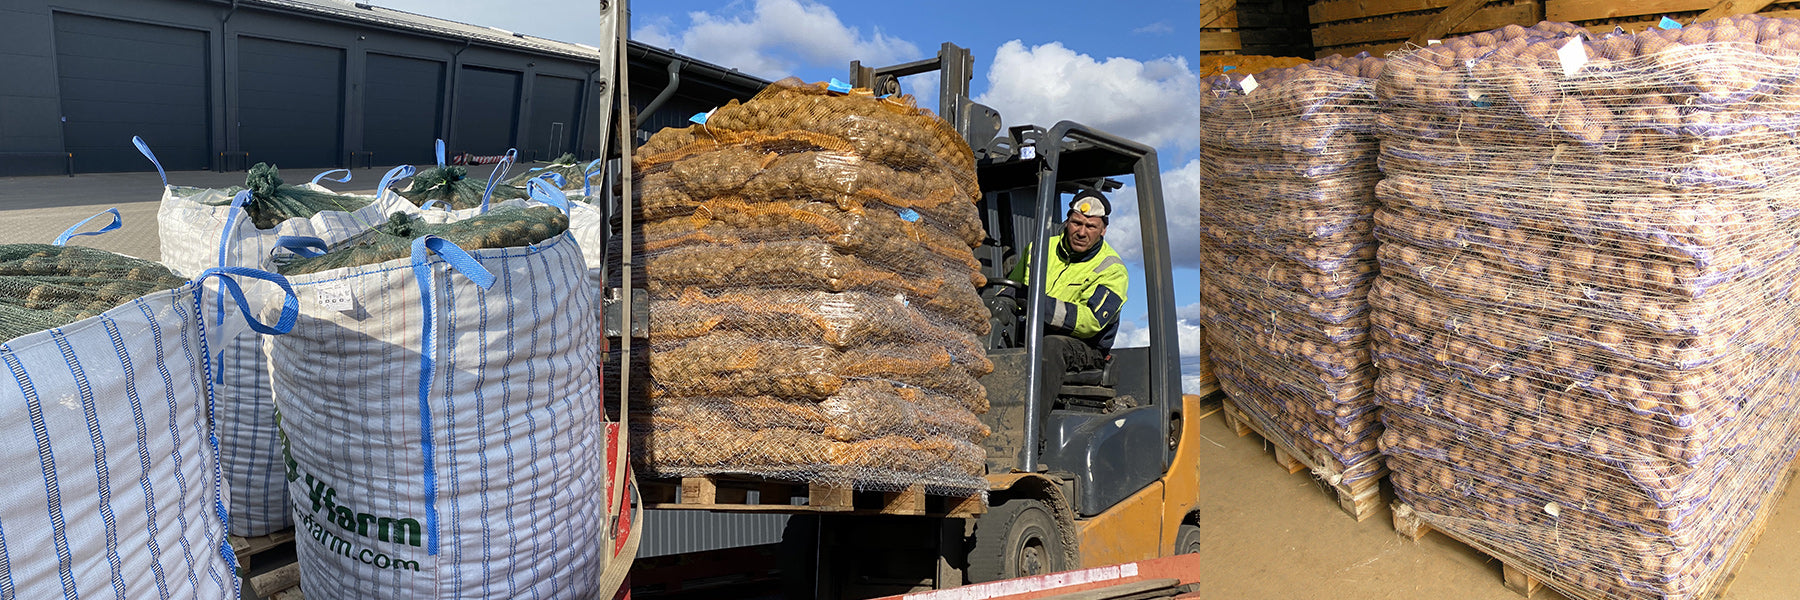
column 1124, row 66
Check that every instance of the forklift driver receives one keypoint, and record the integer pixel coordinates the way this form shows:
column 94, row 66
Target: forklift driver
column 1086, row 290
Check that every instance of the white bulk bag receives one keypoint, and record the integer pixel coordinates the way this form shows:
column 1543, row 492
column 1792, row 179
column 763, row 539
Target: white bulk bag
column 113, row 482
column 197, row 236
column 440, row 419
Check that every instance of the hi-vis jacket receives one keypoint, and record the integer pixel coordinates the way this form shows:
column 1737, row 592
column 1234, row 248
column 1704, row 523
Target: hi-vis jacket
column 1088, row 291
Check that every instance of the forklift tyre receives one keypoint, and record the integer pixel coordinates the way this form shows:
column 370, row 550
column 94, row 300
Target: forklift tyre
column 1187, row 541
column 799, row 557
column 1016, row 539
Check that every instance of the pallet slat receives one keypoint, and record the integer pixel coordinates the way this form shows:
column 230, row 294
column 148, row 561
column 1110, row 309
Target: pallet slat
column 1347, row 10
column 1401, row 28
column 1213, row 41
column 730, row 493
column 1359, row 499
column 1575, row 11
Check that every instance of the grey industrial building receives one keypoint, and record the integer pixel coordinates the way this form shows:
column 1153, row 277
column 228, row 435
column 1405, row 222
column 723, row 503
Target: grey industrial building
column 222, row 84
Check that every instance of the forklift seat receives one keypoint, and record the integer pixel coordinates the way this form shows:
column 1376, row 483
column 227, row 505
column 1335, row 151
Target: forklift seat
column 1090, row 385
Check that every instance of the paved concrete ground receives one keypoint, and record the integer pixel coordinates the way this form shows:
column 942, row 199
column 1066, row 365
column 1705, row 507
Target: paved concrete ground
column 1268, row 534
column 37, row 209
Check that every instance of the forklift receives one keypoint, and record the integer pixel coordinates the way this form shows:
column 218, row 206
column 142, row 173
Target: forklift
column 1117, row 477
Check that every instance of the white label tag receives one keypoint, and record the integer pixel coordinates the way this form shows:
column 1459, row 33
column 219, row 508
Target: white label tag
column 335, row 295
column 1433, row 42
column 1249, row 84
column 1574, row 57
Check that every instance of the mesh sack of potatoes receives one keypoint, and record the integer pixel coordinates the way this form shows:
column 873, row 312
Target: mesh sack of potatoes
column 1584, row 317
column 450, row 185
column 813, row 306
column 273, row 201
column 504, row 227
column 1289, row 253
column 44, row 286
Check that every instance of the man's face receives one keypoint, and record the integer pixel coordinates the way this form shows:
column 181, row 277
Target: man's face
column 1083, row 231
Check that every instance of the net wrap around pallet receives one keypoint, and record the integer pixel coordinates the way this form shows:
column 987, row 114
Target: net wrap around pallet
column 203, row 228
column 1289, row 254
column 1587, row 296
column 813, row 308
column 115, row 487
column 439, row 410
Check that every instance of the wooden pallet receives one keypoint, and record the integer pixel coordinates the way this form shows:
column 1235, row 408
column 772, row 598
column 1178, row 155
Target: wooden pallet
column 256, row 554
column 1525, row 578
column 1359, row 499
column 732, row 493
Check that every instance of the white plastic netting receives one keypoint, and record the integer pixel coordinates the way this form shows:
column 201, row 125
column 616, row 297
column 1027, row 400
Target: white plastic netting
column 1288, row 253
column 1584, row 319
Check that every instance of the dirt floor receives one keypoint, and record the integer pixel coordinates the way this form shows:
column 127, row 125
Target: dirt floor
column 1271, row 534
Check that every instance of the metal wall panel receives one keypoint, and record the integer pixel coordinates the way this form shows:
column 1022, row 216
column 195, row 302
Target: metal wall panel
column 119, row 79
column 682, row 531
column 555, row 110
column 290, row 103
column 487, row 111
column 402, row 106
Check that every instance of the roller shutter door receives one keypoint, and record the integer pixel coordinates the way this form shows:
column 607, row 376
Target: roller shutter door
column 118, row 79
column 555, row 109
column 403, row 101
column 487, row 111
column 290, row 103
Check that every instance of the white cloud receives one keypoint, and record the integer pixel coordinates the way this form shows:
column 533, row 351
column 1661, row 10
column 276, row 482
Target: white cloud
column 1152, row 101
column 1157, row 27
column 1187, row 330
column 1181, row 213
column 775, row 38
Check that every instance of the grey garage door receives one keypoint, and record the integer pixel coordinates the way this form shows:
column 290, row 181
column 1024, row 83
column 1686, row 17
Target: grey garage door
column 555, row 109
column 403, row 101
column 487, row 110
column 118, row 79
column 290, row 103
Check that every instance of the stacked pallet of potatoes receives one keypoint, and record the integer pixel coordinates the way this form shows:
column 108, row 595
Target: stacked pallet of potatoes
column 1584, row 320
column 814, row 317
column 1288, row 256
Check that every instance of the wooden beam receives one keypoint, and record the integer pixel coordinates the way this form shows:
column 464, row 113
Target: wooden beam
column 1575, row 11
column 1212, row 41
column 1394, row 29
column 1347, row 10
column 1446, row 21
column 1213, row 10
column 1230, row 20
column 1726, row 8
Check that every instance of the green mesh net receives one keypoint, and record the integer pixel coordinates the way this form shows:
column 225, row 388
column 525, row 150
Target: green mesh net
column 504, row 227
column 451, row 185
column 273, row 201
column 44, row 286
column 566, row 165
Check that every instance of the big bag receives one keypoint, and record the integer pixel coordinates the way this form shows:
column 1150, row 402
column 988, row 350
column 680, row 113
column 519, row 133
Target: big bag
column 197, row 233
column 439, row 417
column 113, row 483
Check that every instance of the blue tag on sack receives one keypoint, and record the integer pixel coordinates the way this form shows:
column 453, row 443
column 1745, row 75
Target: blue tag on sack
column 838, row 86
column 908, row 215
column 1668, row 23
column 700, row 117
column 1227, row 68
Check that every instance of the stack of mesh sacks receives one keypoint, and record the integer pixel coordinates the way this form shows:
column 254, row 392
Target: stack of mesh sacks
column 1585, row 318
column 1288, row 254
column 813, row 308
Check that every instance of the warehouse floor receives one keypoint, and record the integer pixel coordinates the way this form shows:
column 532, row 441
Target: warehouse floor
column 1268, row 534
